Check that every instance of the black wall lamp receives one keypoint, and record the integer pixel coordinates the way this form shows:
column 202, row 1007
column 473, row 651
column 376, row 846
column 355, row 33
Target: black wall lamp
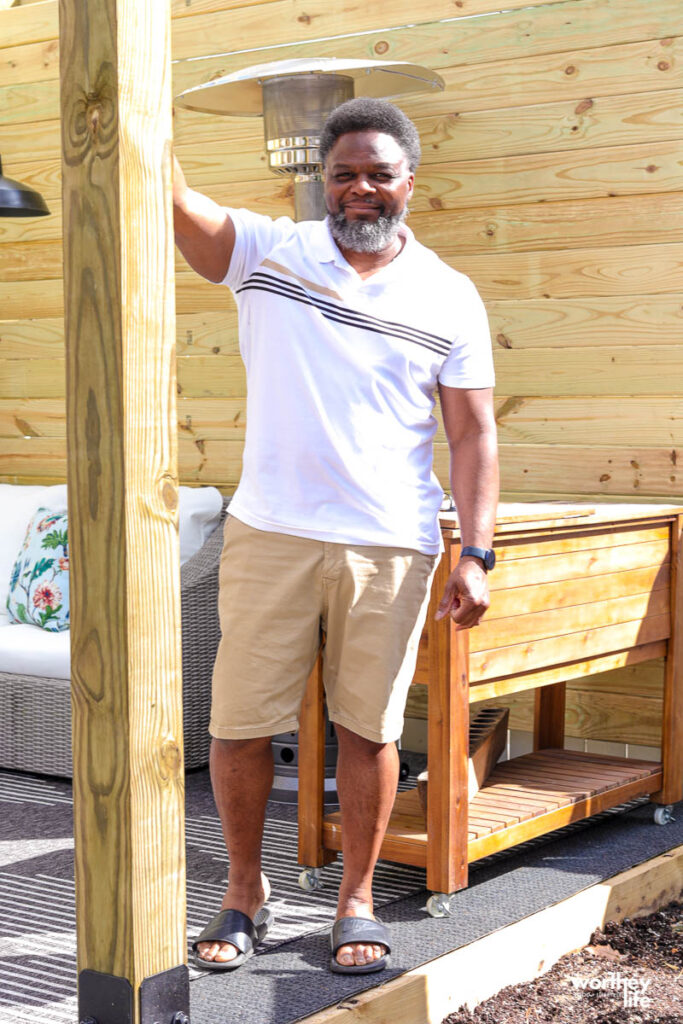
column 17, row 200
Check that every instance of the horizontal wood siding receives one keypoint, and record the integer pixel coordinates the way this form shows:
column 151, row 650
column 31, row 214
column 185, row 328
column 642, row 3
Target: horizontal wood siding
column 552, row 175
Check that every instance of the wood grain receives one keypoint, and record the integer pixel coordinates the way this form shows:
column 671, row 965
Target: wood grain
column 672, row 716
column 528, row 227
column 554, row 28
column 447, row 762
column 575, row 273
column 126, row 660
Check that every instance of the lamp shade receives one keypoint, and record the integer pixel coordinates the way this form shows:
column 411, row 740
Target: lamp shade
column 240, row 94
column 17, row 200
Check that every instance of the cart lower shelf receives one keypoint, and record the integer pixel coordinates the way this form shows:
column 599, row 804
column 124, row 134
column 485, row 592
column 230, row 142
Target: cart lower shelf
column 523, row 798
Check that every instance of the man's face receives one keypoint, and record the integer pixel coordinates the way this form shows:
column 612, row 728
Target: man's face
column 366, row 176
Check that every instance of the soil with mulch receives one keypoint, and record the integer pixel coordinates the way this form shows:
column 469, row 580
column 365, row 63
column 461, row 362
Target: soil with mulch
column 630, row 973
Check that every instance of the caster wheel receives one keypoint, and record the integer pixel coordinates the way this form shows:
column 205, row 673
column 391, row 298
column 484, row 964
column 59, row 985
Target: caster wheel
column 310, row 879
column 664, row 815
column 404, row 771
column 439, row 905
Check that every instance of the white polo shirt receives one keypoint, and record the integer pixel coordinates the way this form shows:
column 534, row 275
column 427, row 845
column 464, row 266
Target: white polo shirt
column 341, row 374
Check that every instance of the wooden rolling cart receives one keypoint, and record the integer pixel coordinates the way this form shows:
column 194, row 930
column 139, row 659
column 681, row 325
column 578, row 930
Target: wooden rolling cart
column 575, row 591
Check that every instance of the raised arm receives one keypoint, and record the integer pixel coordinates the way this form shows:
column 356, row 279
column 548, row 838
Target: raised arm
column 204, row 232
column 470, row 425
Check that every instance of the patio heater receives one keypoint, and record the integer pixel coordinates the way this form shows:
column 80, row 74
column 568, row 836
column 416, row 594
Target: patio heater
column 295, row 97
column 18, row 200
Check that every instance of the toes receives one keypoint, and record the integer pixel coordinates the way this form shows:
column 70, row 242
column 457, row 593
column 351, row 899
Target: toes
column 220, row 951
column 226, row 952
column 358, row 954
column 345, row 956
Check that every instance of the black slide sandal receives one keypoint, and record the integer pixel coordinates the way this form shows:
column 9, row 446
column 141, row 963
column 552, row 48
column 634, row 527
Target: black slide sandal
column 239, row 930
column 348, row 930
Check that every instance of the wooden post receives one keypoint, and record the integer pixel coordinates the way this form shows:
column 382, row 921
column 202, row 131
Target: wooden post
column 311, row 774
column 672, row 711
column 122, row 476
column 549, row 712
column 447, row 742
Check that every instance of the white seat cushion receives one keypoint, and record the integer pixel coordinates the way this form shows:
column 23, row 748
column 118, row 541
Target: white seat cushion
column 199, row 512
column 32, row 651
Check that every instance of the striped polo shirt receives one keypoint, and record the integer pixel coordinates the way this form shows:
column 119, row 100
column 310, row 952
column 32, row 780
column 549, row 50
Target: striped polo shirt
column 341, row 376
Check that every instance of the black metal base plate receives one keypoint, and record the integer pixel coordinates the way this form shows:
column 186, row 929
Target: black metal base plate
column 104, row 998
column 164, row 998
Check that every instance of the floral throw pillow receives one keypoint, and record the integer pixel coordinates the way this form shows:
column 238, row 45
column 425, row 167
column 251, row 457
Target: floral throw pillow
column 39, row 584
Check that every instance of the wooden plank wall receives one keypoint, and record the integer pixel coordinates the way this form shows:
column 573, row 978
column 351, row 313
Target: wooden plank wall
column 552, row 175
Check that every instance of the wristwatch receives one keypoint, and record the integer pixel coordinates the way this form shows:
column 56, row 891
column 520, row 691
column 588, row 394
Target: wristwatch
column 487, row 556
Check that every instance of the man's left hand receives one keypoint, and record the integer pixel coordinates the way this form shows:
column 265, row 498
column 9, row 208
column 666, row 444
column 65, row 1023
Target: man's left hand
column 466, row 594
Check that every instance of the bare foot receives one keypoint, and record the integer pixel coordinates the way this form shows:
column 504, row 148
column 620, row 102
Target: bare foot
column 249, row 901
column 358, row 953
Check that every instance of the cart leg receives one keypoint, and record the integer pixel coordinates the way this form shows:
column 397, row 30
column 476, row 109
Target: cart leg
column 447, row 743
column 549, row 710
column 672, row 712
column 312, row 777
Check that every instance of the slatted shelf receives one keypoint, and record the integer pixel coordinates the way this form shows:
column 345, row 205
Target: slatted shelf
column 521, row 799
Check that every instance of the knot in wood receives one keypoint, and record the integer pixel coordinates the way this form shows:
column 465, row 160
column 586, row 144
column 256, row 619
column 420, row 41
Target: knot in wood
column 94, row 116
column 663, row 65
column 570, row 69
column 583, row 106
column 305, row 19
column 170, row 757
column 169, row 495
column 381, row 46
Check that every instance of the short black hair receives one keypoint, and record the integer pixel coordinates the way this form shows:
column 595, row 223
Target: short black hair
column 365, row 114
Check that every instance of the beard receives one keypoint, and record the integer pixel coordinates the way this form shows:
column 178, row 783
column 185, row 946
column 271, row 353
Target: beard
column 364, row 235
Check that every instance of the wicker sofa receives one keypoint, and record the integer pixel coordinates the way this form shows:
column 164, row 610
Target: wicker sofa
column 35, row 711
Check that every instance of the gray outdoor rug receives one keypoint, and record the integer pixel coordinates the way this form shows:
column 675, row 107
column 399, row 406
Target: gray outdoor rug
column 288, row 979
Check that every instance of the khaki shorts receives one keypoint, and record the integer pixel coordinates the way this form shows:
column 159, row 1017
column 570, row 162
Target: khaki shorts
column 277, row 594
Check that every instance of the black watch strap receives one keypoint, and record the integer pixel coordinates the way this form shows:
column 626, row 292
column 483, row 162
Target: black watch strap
column 486, row 555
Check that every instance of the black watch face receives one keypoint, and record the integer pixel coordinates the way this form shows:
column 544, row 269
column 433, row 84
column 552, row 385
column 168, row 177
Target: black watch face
column 490, row 560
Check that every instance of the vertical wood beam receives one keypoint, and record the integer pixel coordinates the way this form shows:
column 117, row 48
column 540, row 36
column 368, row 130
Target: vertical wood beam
column 311, row 773
column 447, row 741
column 672, row 711
column 122, row 477
column 549, row 715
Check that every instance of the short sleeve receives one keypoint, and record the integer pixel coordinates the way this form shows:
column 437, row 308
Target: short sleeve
column 469, row 364
column 255, row 236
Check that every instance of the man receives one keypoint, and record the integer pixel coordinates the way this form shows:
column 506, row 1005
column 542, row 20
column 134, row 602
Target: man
column 347, row 327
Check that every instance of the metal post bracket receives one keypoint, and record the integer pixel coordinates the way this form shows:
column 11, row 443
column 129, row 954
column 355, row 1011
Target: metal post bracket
column 165, row 997
column 104, row 998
